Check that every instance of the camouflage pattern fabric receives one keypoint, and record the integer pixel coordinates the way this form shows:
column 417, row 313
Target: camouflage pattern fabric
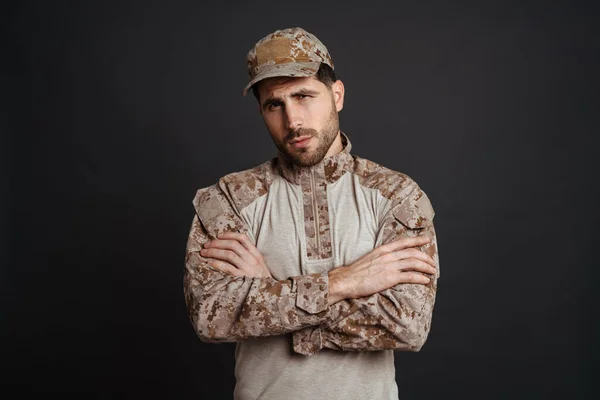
column 287, row 52
column 224, row 308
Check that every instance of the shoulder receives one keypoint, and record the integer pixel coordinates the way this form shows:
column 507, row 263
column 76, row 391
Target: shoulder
column 238, row 188
column 244, row 187
column 391, row 184
column 407, row 198
column 218, row 206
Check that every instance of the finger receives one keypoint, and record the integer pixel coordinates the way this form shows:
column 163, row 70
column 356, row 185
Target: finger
column 230, row 235
column 413, row 277
column 250, row 247
column 244, row 240
column 237, row 236
column 404, row 243
column 223, row 255
column 224, row 267
column 232, row 245
column 414, row 253
column 413, row 264
column 411, row 252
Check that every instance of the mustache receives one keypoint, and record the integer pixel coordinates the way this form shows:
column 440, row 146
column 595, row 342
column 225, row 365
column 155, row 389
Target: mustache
column 301, row 132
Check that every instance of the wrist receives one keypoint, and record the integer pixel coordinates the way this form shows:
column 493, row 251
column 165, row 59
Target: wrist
column 337, row 285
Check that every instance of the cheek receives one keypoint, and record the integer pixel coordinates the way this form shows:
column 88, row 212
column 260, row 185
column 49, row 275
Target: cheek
column 271, row 120
column 275, row 126
column 320, row 113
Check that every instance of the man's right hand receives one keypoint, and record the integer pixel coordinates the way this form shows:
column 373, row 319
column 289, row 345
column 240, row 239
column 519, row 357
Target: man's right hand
column 385, row 266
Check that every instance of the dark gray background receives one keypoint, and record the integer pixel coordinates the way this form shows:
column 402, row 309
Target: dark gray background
column 116, row 112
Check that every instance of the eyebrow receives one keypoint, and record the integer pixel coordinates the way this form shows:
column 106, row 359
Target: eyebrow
column 303, row 91
column 270, row 101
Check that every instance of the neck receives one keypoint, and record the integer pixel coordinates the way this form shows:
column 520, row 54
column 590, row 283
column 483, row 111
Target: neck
column 336, row 146
column 330, row 168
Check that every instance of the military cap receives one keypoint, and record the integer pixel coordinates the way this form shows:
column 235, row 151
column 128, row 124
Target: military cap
column 286, row 52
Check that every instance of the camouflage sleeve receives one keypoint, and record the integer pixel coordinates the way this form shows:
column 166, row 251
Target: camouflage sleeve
column 224, row 308
column 398, row 318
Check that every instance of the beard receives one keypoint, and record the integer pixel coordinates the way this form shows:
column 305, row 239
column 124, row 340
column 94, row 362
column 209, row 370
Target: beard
column 304, row 157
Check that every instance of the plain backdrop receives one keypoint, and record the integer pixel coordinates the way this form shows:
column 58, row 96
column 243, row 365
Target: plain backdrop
column 115, row 113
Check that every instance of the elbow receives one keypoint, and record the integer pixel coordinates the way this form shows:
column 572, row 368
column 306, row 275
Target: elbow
column 406, row 342
column 406, row 338
column 211, row 331
column 211, row 322
column 415, row 345
column 414, row 337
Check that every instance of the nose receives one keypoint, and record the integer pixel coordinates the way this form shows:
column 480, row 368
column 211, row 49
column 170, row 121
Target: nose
column 293, row 117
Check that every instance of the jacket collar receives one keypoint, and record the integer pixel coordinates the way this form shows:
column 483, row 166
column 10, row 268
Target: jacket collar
column 330, row 169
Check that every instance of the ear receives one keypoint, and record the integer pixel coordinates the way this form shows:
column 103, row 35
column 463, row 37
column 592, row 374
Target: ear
column 338, row 90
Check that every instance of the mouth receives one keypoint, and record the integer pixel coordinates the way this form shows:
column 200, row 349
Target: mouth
column 301, row 142
column 300, row 139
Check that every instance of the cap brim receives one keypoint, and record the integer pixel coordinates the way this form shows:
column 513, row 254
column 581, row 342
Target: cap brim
column 292, row 69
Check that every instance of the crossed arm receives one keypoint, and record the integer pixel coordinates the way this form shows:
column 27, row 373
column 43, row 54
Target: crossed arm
column 383, row 300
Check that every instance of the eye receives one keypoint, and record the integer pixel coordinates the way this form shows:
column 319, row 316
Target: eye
column 274, row 105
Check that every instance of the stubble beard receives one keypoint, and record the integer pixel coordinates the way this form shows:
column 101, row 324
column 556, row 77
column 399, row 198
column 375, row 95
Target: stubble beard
column 305, row 157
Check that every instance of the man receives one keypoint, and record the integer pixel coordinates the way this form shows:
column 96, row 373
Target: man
column 318, row 263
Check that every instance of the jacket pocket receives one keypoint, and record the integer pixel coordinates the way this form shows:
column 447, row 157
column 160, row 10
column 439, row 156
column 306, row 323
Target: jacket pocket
column 215, row 212
column 414, row 213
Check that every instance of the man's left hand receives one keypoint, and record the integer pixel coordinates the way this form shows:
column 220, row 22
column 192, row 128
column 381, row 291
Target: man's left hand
column 235, row 254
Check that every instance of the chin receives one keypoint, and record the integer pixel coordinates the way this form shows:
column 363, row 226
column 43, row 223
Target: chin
column 308, row 161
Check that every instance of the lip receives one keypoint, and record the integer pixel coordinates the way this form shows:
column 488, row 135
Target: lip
column 301, row 142
column 300, row 139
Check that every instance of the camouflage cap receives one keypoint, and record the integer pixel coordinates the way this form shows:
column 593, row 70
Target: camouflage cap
column 287, row 52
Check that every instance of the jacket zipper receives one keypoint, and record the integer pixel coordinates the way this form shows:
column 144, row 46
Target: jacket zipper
column 315, row 211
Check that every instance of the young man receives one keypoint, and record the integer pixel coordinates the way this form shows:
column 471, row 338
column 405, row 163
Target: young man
column 318, row 263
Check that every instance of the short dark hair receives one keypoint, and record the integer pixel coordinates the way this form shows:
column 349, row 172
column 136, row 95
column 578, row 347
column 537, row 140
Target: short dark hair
column 325, row 74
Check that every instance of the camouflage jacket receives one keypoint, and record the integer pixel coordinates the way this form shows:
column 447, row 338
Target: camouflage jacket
column 306, row 221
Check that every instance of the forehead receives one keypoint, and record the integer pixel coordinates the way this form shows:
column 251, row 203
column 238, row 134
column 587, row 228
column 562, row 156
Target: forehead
column 280, row 86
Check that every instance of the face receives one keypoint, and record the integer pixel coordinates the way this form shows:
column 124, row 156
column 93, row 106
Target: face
column 301, row 115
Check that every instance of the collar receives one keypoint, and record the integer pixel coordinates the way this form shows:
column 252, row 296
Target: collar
column 329, row 169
